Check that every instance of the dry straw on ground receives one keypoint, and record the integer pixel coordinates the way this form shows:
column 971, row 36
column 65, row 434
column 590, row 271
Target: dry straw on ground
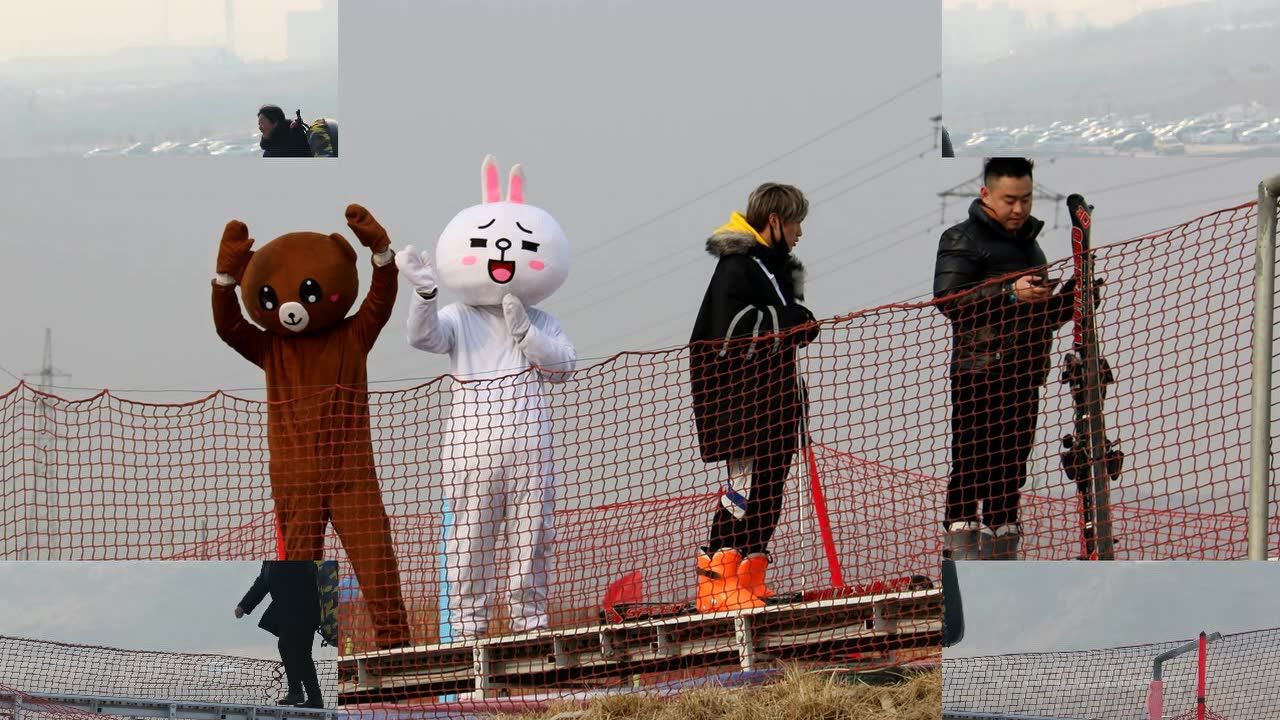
column 797, row 696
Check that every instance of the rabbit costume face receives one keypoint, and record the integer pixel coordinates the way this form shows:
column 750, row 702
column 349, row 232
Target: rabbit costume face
column 502, row 246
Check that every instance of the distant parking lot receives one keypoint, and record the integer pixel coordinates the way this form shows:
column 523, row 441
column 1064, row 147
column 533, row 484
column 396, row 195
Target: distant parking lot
column 1120, row 135
column 229, row 145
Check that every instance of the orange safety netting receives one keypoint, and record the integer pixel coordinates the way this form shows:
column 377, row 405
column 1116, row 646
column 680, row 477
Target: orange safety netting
column 107, row 477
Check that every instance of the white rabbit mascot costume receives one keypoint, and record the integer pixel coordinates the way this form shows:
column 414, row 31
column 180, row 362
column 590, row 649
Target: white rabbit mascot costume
column 500, row 258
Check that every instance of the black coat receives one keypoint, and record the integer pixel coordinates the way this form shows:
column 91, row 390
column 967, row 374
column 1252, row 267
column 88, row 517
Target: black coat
column 286, row 140
column 295, row 600
column 746, row 394
column 989, row 332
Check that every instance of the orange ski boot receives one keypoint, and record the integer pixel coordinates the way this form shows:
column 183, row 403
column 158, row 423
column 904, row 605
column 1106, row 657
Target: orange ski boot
column 751, row 574
column 719, row 588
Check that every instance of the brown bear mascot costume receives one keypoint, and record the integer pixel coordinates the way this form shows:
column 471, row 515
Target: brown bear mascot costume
column 300, row 287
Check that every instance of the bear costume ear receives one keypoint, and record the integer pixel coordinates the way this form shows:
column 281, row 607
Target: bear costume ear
column 347, row 251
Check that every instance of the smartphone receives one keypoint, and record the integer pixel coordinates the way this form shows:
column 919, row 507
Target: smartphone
column 1048, row 282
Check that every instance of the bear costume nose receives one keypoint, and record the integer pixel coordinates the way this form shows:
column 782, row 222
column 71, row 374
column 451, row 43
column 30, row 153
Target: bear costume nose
column 503, row 244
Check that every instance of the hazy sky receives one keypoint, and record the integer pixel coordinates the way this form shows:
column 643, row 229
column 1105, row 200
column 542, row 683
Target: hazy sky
column 1099, row 13
column 92, row 27
column 637, row 172
column 175, row 607
column 1082, row 605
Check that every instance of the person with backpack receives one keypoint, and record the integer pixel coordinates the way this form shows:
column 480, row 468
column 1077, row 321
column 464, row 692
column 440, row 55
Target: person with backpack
column 322, row 134
column 293, row 616
column 280, row 137
column 748, row 396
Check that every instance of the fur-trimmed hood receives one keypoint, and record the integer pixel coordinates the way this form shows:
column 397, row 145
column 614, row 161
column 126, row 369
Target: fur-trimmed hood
column 737, row 237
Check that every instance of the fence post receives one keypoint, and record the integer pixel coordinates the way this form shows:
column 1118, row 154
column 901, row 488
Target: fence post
column 1260, row 415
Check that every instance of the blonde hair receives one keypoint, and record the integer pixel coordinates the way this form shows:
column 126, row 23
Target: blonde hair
column 786, row 201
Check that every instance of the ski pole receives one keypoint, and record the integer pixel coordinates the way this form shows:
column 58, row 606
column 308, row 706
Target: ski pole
column 819, row 498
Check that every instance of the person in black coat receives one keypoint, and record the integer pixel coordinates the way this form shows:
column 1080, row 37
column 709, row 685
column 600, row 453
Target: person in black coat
column 280, row 136
column 1002, row 333
column 747, row 396
column 293, row 616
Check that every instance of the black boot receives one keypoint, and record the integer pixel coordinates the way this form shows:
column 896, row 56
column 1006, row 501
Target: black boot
column 311, row 682
column 292, row 698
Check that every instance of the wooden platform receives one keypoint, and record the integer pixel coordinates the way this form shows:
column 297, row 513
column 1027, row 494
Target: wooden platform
column 600, row 655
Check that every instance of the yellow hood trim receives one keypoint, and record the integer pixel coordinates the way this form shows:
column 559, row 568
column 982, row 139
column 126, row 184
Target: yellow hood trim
column 738, row 225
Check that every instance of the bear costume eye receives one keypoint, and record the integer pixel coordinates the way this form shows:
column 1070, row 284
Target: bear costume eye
column 267, row 298
column 479, row 242
column 529, row 245
column 309, row 291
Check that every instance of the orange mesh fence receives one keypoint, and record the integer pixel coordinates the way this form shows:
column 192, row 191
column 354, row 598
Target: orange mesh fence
column 1241, row 682
column 112, row 478
column 42, row 667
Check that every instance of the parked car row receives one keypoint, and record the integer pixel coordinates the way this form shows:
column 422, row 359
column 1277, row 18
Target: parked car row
column 237, row 145
column 1118, row 134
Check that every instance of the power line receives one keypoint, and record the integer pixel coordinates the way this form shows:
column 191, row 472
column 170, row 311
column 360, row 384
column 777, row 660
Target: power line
column 683, row 313
column 869, row 163
column 1165, row 176
column 864, row 181
column 6, row 372
column 1224, row 198
column 878, row 236
column 842, row 125
column 691, row 251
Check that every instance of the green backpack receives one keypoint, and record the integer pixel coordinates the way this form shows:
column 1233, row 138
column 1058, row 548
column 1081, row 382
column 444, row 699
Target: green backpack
column 327, row 584
column 322, row 135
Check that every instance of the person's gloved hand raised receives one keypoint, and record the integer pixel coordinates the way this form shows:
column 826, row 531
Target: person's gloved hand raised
column 416, row 268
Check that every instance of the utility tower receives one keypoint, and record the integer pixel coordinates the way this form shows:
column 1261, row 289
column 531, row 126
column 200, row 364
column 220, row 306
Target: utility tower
column 968, row 190
column 43, row 436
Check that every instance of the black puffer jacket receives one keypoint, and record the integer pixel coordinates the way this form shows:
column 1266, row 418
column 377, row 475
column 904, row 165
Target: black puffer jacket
column 746, row 395
column 286, row 140
column 990, row 333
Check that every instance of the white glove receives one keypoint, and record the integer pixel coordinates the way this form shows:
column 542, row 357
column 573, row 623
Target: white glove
column 517, row 317
column 416, row 268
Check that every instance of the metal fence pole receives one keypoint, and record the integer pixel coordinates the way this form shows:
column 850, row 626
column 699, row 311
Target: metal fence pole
column 1260, row 416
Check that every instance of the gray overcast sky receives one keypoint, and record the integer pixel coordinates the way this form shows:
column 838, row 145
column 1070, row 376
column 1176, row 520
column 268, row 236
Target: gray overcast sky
column 177, row 607
column 115, row 256
column 1081, row 605
column 90, row 27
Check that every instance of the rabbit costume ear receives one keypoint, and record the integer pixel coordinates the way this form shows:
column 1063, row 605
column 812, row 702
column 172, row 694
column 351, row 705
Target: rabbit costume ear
column 515, row 185
column 490, row 192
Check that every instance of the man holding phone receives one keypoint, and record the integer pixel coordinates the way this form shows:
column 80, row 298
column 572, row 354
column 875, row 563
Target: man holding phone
column 990, row 282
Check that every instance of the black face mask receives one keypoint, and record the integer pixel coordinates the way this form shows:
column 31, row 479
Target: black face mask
column 779, row 245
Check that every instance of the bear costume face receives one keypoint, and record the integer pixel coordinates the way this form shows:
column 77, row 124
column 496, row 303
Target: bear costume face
column 301, row 282
column 502, row 246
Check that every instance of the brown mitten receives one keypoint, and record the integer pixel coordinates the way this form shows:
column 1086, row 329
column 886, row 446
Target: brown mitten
column 367, row 230
column 234, row 253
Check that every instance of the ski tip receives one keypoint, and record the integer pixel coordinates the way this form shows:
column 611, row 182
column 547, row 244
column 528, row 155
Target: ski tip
column 1075, row 199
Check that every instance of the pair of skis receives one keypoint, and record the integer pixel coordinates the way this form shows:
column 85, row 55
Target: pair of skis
column 1089, row 458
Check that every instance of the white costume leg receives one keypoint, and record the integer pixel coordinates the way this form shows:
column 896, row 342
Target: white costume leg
column 476, row 497
column 530, row 531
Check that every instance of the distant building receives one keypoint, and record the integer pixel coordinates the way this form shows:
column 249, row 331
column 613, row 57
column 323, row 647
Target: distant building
column 313, row 34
